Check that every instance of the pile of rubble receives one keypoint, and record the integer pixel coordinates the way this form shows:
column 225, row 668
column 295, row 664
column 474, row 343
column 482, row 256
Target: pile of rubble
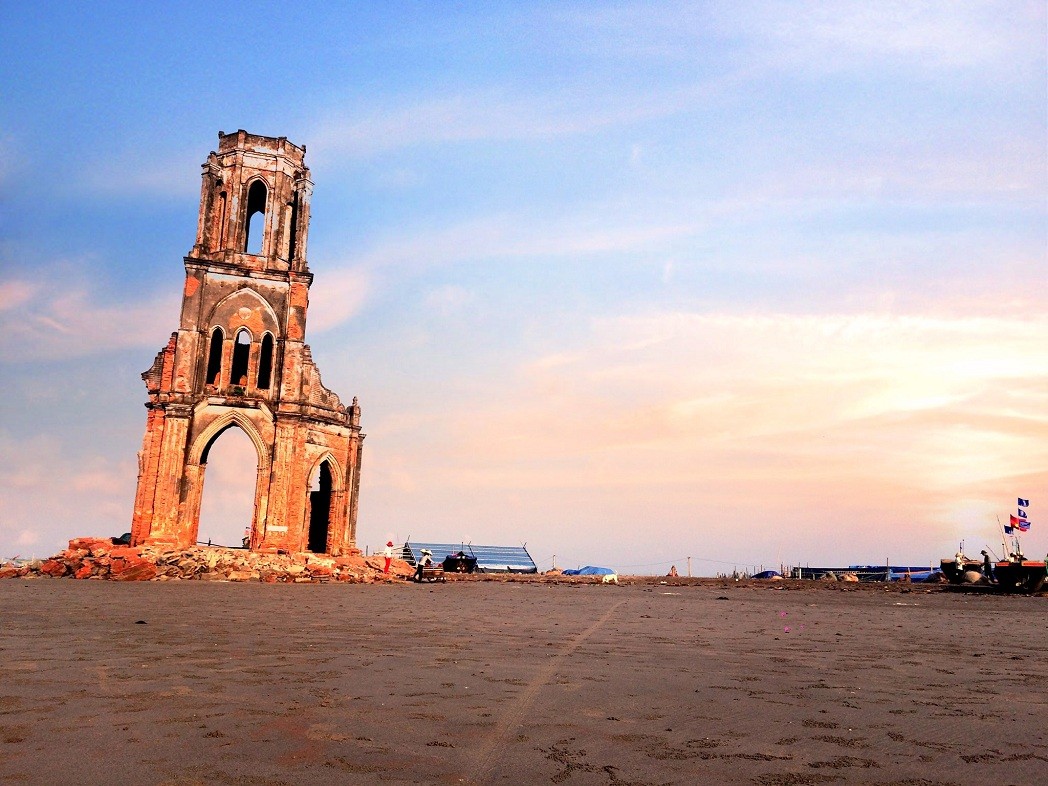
column 100, row 558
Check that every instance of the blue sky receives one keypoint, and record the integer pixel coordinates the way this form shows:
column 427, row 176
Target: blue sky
column 748, row 282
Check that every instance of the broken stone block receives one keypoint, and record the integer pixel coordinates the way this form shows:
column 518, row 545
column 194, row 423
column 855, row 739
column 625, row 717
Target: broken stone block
column 136, row 569
column 54, row 567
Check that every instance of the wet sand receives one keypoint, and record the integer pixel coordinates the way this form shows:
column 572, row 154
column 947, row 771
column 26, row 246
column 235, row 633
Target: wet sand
column 517, row 683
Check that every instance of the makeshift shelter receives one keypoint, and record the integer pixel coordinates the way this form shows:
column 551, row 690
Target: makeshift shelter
column 490, row 559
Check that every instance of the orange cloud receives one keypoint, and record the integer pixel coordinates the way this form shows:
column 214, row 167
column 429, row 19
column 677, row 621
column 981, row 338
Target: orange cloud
column 874, row 427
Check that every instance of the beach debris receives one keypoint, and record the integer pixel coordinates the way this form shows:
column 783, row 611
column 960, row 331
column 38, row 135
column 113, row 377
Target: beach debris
column 100, row 558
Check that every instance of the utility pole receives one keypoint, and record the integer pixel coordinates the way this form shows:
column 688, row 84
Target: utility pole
column 689, row 567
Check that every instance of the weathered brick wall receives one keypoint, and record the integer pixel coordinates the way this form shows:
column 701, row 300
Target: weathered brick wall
column 295, row 422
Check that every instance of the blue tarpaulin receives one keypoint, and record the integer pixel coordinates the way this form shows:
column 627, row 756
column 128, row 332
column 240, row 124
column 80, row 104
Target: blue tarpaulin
column 767, row 574
column 590, row 570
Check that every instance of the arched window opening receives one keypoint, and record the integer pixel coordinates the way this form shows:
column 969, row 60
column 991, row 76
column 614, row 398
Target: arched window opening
column 256, row 205
column 265, row 362
column 292, row 241
column 214, row 357
column 241, row 353
column 219, row 234
column 227, row 505
column 320, row 509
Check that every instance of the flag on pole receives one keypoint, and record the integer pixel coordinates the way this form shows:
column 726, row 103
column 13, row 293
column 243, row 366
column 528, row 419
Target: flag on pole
column 1008, row 530
column 1022, row 513
column 1023, row 525
column 1024, row 503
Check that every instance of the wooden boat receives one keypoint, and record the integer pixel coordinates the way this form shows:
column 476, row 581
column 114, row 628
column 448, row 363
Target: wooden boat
column 869, row 572
column 1021, row 575
column 955, row 574
column 1015, row 574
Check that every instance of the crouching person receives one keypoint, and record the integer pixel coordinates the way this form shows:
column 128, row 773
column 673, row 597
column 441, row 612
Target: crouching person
column 424, row 562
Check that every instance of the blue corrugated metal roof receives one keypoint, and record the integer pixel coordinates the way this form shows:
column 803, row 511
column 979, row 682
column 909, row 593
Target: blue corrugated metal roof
column 490, row 559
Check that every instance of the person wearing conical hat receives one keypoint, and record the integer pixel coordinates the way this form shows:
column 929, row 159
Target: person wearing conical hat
column 388, row 555
column 425, row 561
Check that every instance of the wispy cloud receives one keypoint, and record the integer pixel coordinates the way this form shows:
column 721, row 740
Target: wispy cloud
column 930, row 33
column 494, row 115
column 156, row 172
column 342, row 294
column 61, row 318
column 695, row 381
column 865, row 416
column 821, row 34
column 449, row 300
column 34, row 520
column 509, row 236
column 15, row 293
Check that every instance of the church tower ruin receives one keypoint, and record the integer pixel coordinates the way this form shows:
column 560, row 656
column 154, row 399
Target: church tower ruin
column 239, row 359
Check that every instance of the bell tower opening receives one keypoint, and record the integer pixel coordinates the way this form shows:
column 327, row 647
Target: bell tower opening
column 214, row 357
column 265, row 363
column 256, row 205
column 293, row 229
column 320, row 510
column 241, row 356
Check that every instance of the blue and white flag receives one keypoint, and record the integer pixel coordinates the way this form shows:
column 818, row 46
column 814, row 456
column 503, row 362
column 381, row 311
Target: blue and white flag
column 1022, row 513
column 1024, row 503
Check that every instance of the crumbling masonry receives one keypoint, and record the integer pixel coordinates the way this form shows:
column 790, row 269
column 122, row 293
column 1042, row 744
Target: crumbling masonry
column 239, row 359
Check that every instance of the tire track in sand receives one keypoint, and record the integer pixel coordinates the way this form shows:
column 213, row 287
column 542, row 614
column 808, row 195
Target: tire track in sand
column 511, row 718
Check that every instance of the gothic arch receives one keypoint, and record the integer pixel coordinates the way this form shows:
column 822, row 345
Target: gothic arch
column 213, row 371
column 257, row 202
column 264, row 375
column 197, row 454
column 219, row 315
column 324, row 508
column 338, row 476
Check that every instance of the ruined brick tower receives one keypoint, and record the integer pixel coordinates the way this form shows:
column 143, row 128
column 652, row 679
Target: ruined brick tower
column 239, row 359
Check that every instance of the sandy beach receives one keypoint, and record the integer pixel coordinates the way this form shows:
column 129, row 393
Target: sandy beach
column 487, row 682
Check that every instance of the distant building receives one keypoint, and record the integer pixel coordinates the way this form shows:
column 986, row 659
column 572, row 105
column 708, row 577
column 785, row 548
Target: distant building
column 490, row 559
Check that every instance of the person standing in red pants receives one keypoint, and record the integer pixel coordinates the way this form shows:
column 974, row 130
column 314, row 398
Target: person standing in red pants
column 389, row 556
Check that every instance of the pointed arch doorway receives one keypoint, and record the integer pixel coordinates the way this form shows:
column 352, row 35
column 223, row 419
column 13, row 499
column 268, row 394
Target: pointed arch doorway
column 324, row 488
column 227, row 498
